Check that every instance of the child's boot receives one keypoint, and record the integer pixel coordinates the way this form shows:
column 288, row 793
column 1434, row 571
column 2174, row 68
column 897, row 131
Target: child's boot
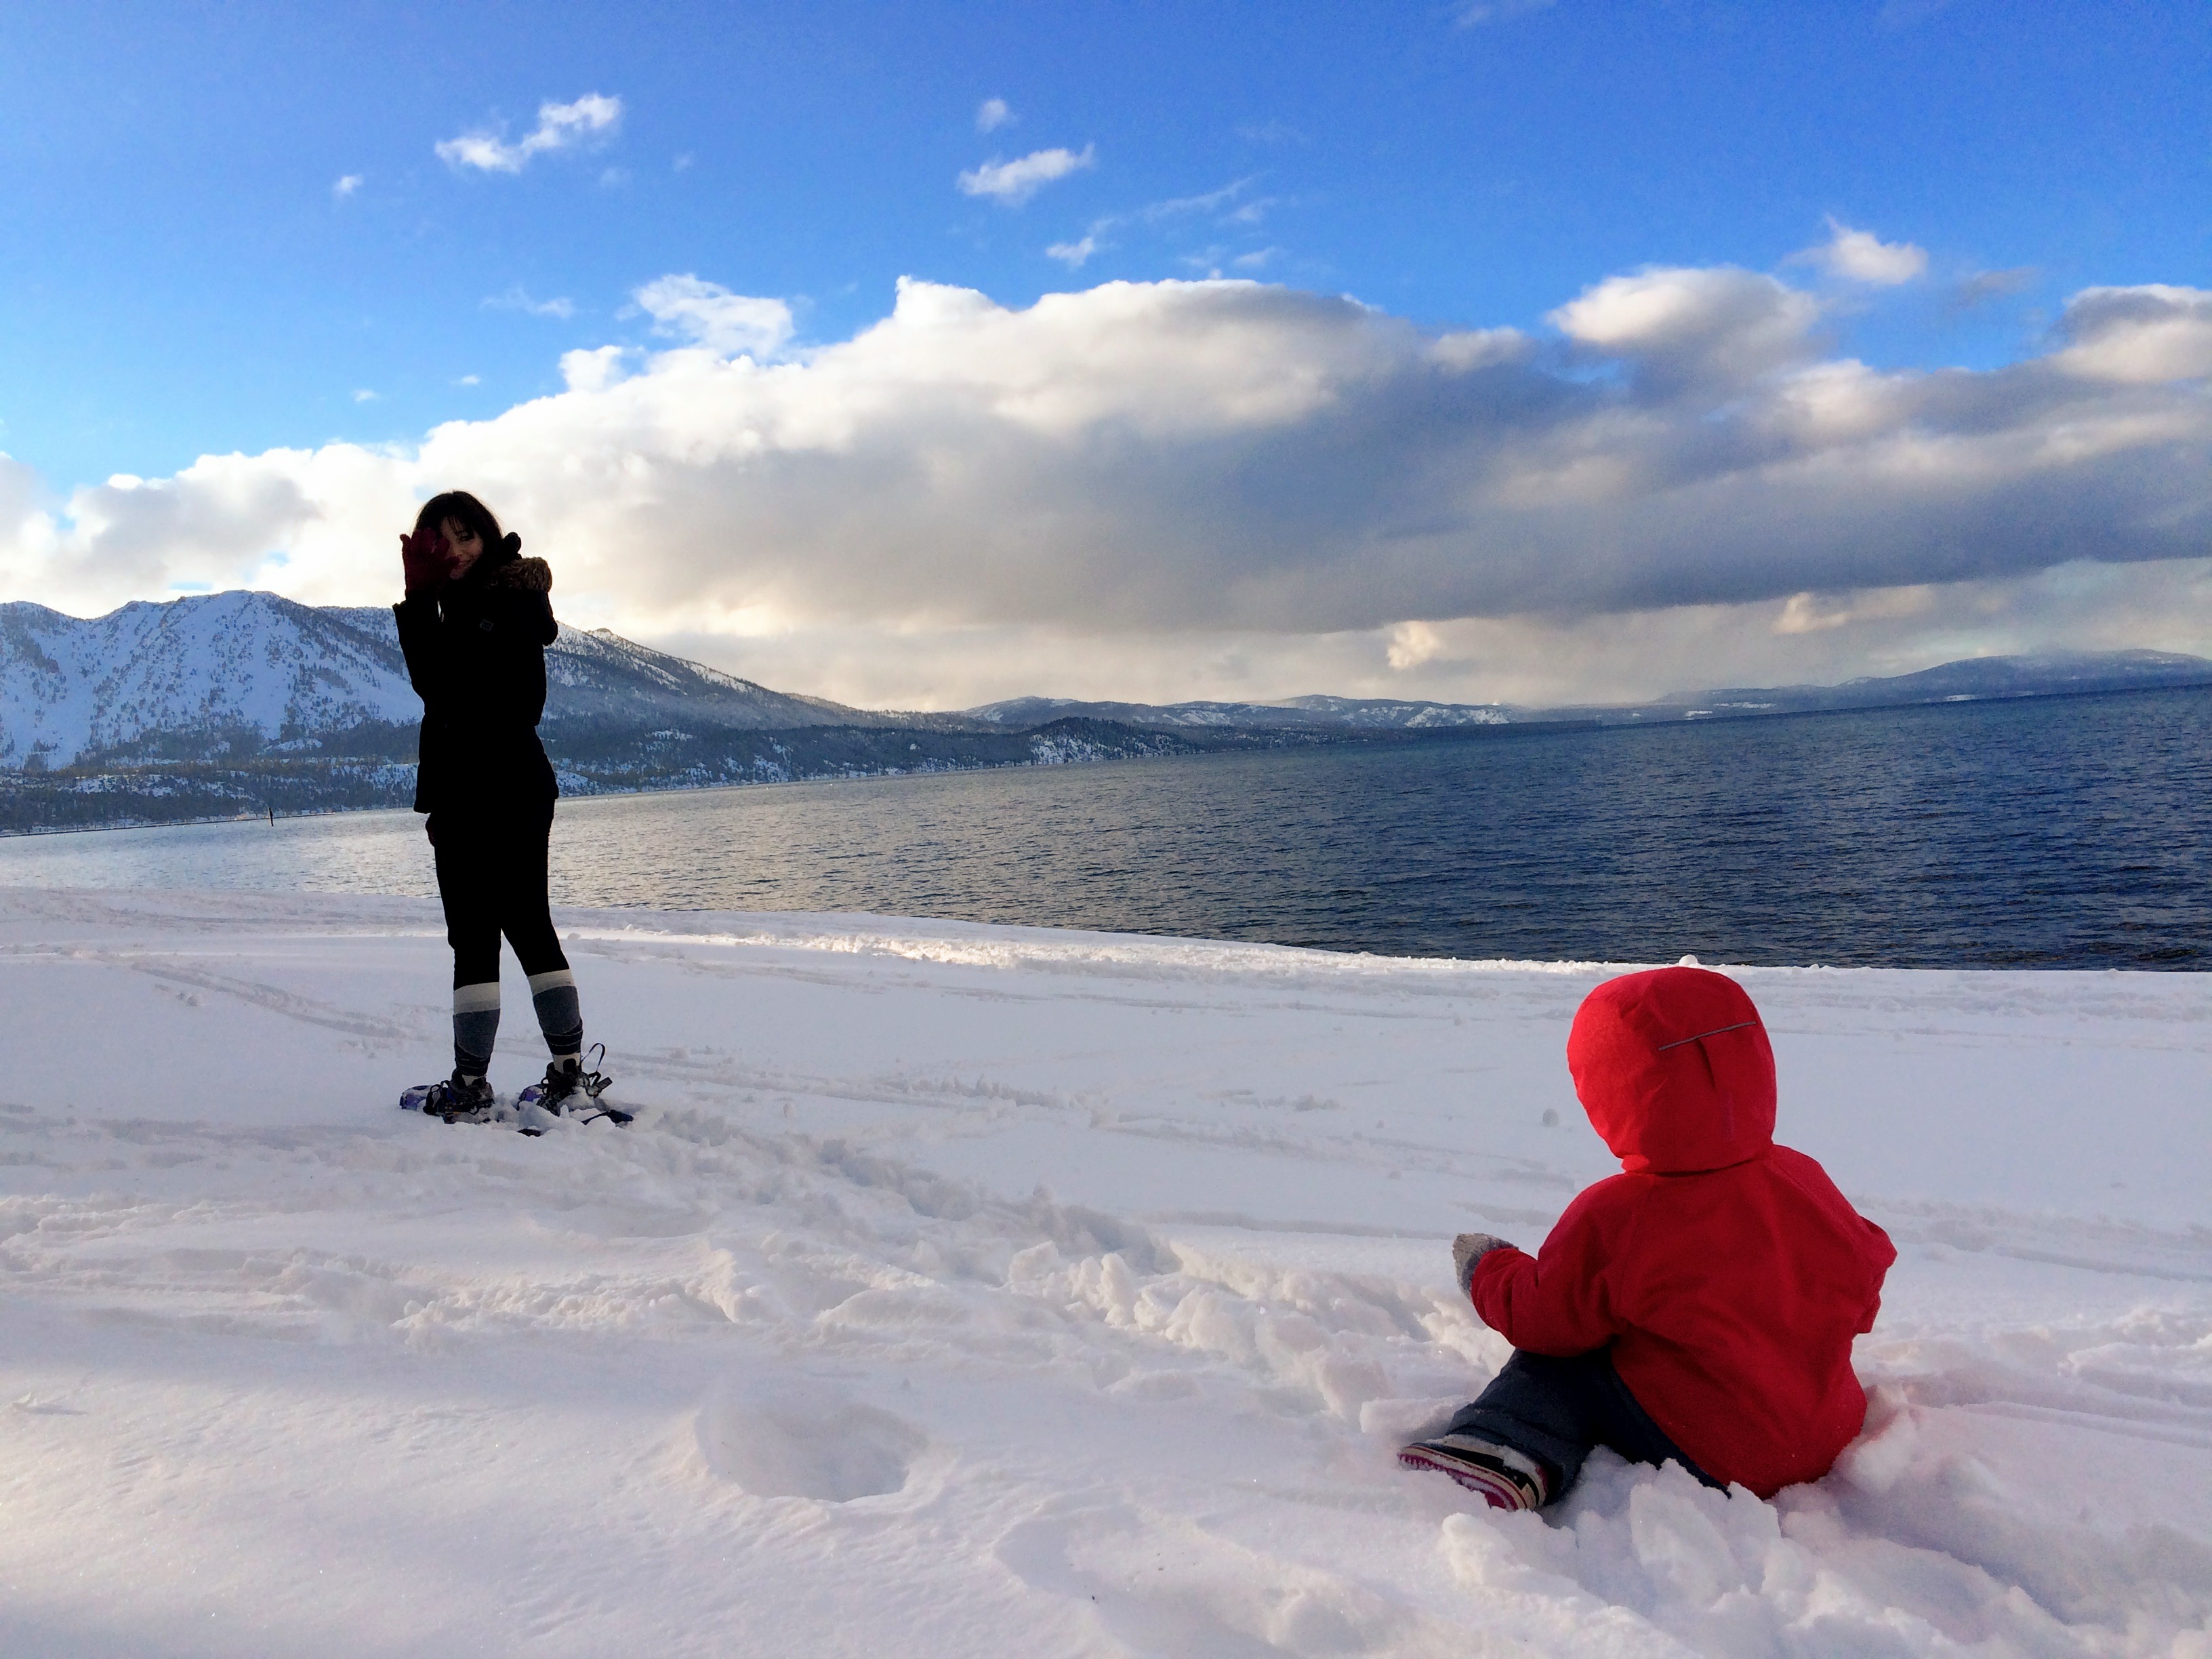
column 1509, row 1479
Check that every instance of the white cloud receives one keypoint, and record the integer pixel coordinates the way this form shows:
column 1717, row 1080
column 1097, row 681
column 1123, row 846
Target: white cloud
column 1413, row 643
column 346, row 186
column 1616, row 657
column 1472, row 14
column 1176, row 206
column 1678, row 324
column 518, row 299
column 2143, row 336
column 1078, row 253
column 707, row 314
column 596, row 369
column 1012, row 183
column 1166, row 488
column 991, row 114
column 1816, row 613
column 560, row 126
column 1478, row 347
column 1860, row 255
column 364, row 396
column 1985, row 286
column 469, row 380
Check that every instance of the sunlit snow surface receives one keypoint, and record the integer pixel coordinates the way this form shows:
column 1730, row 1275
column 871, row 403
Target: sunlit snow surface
column 970, row 1291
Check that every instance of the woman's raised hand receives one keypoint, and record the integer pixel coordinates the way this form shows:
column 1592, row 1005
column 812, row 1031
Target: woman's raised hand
column 425, row 560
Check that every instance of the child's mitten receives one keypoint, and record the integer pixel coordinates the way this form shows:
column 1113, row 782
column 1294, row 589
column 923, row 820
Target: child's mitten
column 1469, row 1248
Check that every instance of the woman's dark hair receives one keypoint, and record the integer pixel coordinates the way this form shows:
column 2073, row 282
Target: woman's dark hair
column 473, row 513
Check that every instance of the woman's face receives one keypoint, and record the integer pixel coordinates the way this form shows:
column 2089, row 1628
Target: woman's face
column 463, row 545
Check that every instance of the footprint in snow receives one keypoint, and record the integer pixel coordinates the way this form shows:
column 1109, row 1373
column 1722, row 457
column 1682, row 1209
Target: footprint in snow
column 817, row 1444
column 45, row 1405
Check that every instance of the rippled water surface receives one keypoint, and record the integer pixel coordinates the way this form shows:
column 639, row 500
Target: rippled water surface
column 2055, row 831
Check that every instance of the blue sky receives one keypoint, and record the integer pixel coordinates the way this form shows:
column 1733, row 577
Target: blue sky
column 182, row 279
column 230, row 228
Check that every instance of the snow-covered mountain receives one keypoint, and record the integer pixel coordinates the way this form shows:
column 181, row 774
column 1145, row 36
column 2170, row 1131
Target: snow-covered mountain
column 215, row 668
column 1387, row 714
column 231, row 674
column 2043, row 674
column 206, row 664
column 1302, row 714
column 595, row 674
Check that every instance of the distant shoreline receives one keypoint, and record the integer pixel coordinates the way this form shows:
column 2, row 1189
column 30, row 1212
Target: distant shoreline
column 1350, row 738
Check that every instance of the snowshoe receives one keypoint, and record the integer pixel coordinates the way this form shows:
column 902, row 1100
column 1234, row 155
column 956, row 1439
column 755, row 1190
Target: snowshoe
column 457, row 1099
column 1506, row 1479
column 574, row 1091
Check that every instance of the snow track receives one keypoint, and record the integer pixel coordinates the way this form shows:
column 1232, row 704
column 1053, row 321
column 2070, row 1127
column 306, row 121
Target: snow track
column 963, row 1290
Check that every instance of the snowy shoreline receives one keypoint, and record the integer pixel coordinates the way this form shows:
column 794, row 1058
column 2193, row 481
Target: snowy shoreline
column 970, row 1289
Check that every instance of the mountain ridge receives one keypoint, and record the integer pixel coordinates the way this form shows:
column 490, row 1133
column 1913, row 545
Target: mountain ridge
column 1315, row 712
column 2028, row 674
column 255, row 669
column 224, row 666
column 213, row 704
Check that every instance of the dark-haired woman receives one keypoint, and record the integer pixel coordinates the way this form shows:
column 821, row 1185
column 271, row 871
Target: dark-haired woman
column 474, row 627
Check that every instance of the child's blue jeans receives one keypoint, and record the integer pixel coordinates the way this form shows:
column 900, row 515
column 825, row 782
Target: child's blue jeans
column 1556, row 1410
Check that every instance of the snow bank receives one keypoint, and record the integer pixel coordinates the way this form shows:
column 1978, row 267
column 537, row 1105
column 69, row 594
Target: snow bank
column 965, row 1290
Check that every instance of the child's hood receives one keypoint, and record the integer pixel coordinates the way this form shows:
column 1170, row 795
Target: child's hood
column 1673, row 1068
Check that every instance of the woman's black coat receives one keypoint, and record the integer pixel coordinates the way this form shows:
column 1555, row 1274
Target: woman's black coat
column 476, row 653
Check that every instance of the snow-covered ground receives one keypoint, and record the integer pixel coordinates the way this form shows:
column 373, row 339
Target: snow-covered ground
column 967, row 1290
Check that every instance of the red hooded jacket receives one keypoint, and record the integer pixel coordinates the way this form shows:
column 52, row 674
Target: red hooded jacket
column 1727, row 1272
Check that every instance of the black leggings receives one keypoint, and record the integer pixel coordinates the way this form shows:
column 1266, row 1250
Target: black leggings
column 1555, row 1410
column 491, row 879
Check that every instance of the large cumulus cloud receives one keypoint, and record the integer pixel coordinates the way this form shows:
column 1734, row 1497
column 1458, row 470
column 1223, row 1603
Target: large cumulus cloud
column 1233, row 460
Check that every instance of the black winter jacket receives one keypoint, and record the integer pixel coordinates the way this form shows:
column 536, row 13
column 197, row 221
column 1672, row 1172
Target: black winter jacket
column 476, row 653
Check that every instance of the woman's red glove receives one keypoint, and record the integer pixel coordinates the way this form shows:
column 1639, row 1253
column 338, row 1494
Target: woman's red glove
column 425, row 560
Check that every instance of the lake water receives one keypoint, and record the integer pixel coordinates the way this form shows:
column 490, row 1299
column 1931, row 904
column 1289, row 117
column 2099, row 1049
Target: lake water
column 2071, row 832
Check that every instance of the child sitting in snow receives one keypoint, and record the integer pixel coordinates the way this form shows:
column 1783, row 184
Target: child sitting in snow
column 1698, row 1308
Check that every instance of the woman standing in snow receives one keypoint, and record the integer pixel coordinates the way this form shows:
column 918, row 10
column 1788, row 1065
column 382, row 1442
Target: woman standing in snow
column 474, row 627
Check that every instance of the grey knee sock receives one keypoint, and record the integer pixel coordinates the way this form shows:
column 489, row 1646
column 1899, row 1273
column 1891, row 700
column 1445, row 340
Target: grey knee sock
column 476, row 1024
column 559, row 1012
